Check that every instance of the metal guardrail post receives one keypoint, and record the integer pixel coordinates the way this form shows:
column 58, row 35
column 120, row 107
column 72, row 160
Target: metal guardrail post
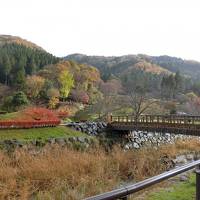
column 198, row 182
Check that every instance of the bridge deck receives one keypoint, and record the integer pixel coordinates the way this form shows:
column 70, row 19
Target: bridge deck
column 189, row 125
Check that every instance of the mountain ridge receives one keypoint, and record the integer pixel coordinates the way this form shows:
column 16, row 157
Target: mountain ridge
column 7, row 39
column 159, row 64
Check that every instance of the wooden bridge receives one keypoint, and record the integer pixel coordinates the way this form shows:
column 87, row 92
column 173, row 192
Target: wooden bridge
column 178, row 124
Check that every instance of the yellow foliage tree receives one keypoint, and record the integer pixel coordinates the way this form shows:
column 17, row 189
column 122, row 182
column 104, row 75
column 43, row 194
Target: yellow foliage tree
column 66, row 81
column 34, row 85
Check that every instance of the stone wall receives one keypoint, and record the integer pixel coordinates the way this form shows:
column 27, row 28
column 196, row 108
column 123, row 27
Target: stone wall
column 76, row 142
column 138, row 139
column 135, row 140
column 90, row 128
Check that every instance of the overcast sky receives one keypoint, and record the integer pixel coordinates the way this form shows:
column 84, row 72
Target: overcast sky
column 106, row 27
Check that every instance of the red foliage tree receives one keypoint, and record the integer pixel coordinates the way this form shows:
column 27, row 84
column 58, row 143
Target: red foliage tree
column 80, row 96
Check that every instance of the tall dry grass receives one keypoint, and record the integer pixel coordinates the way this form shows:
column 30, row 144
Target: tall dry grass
column 62, row 173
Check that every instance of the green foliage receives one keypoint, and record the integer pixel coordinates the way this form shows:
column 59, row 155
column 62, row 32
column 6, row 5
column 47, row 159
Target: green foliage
column 66, row 81
column 16, row 61
column 19, row 99
column 171, row 85
column 12, row 103
column 181, row 191
column 6, row 67
column 7, row 104
column 94, row 95
column 32, row 66
column 138, row 78
column 39, row 133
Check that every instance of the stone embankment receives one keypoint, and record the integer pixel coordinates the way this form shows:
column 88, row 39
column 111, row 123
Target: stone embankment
column 135, row 140
column 77, row 142
column 90, row 128
column 138, row 139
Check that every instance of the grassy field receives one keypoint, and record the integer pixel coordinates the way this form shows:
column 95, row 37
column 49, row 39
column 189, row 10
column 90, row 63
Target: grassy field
column 182, row 191
column 38, row 133
column 65, row 173
column 7, row 116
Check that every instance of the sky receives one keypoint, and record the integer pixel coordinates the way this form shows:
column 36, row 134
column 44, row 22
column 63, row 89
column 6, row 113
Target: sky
column 106, row 27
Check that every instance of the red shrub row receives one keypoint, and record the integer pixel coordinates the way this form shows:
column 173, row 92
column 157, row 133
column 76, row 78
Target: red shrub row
column 28, row 124
column 37, row 113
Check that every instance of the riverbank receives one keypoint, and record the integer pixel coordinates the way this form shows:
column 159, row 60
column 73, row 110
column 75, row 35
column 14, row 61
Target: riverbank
column 55, row 172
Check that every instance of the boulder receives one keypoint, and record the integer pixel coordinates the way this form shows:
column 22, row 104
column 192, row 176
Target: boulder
column 60, row 141
column 136, row 145
column 81, row 139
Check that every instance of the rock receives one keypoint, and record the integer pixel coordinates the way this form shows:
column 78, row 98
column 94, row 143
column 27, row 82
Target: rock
column 60, row 141
column 180, row 159
column 72, row 139
column 104, row 124
column 138, row 141
column 190, row 157
column 149, row 135
column 141, row 134
column 197, row 156
column 81, row 139
column 18, row 143
column 184, row 177
column 126, row 147
column 51, row 140
column 136, row 145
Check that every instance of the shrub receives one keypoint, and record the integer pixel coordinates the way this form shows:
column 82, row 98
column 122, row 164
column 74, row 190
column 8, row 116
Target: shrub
column 20, row 99
column 12, row 103
column 80, row 96
column 39, row 114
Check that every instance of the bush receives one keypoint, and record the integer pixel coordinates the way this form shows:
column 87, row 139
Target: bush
column 12, row 103
column 80, row 96
column 39, row 114
column 19, row 99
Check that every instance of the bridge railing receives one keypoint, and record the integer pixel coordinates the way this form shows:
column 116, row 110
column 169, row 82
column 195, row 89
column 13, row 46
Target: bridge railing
column 172, row 119
column 124, row 192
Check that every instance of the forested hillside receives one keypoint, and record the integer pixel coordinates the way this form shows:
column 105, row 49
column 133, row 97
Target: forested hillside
column 151, row 72
column 17, row 61
column 154, row 64
column 8, row 39
column 31, row 76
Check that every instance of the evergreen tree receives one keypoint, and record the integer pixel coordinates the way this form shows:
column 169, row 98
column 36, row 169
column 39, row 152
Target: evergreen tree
column 6, row 68
column 19, row 99
column 31, row 67
column 179, row 82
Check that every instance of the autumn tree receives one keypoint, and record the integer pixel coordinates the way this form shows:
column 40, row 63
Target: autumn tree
column 53, row 97
column 34, row 85
column 111, row 87
column 80, row 96
column 66, row 82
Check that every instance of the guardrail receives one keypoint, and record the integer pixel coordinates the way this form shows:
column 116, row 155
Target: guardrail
column 123, row 192
column 172, row 119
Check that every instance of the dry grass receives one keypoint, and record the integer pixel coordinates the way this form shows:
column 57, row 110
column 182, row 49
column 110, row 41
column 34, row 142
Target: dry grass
column 57, row 173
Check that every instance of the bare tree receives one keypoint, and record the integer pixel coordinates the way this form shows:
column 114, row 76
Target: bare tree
column 138, row 99
column 139, row 103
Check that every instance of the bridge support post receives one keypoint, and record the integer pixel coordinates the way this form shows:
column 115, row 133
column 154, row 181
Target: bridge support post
column 198, row 183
